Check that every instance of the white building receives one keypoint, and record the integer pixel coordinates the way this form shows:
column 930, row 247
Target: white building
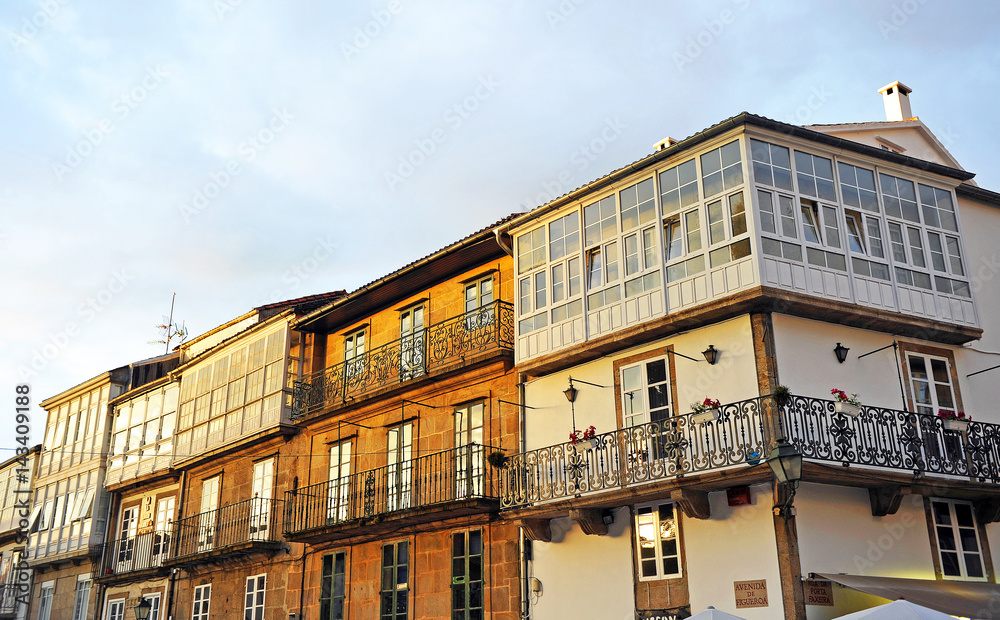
column 765, row 246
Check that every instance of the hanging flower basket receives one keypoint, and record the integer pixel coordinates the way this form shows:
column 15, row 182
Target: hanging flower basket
column 706, row 411
column 583, row 440
column 848, row 408
column 850, row 405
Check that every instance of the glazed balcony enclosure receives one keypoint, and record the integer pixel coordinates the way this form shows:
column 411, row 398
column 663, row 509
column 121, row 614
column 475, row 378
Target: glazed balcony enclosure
column 921, row 446
column 425, row 489
column 435, row 349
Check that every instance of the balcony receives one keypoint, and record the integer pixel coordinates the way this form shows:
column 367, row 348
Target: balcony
column 486, row 330
column 238, row 529
column 135, row 558
column 885, row 439
column 422, row 490
column 9, row 593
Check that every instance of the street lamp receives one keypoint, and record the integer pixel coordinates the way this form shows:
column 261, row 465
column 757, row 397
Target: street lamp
column 786, row 463
column 142, row 609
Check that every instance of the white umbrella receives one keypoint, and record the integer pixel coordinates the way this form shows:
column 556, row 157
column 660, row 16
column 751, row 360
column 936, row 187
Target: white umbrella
column 714, row 614
column 897, row 610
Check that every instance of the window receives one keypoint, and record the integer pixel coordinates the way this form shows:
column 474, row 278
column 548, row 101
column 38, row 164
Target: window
column 657, row 541
column 202, row 602
column 127, row 530
column 566, row 279
column 354, row 353
column 898, row 197
column 161, row 529
column 115, row 610
column 394, row 603
column 939, row 211
column 333, row 588
column 771, row 165
column 82, row 599
column 531, row 250
column 262, row 490
column 253, row 606
column 815, row 176
column 855, row 240
column 478, row 294
column 564, row 236
column 469, row 450
column 637, row 204
column 467, row 575
column 930, row 378
column 209, row 504
column 411, row 340
column 958, row 545
column 600, row 222
column 857, row 185
column 721, row 169
column 154, row 606
column 400, row 467
column 645, row 392
column 679, row 187
column 339, row 492
column 45, row 601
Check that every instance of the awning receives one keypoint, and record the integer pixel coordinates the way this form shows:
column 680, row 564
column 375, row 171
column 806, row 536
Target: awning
column 958, row 598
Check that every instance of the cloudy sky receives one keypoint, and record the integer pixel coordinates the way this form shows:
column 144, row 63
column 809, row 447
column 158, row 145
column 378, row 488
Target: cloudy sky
column 238, row 152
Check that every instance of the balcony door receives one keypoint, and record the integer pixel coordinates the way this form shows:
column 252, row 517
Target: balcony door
column 646, row 401
column 338, row 493
column 933, row 392
column 469, row 451
column 354, row 356
column 411, row 342
column 399, row 474
column 161, row 530
column 479, row 304
column 126, row 538
column 209, row 508
column 260, row 504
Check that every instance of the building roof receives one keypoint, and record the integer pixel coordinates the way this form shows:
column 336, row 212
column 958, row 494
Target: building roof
column 740, row 120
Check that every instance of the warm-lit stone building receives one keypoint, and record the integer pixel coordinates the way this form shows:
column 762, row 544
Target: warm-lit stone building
column 405, row 417
column 751, row 255
column 16, row 474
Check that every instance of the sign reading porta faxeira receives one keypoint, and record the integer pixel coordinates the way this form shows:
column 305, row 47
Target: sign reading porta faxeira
column 663, row 614
column 750, row 593
column 818, row 593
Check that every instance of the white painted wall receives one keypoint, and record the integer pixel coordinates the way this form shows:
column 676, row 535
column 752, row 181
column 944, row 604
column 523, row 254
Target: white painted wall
column 736, row 544
column 584, row 576
column 838, row 534
column 732, row 378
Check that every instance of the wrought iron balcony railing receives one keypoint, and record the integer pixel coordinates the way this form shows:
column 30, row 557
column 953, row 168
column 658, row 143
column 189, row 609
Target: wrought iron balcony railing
column 478, row 331
column 449, row 476
column 140, row 552
column 743, row 435
column 256, row 520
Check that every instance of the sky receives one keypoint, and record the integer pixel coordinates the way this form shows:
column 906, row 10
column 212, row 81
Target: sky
column 240, row 152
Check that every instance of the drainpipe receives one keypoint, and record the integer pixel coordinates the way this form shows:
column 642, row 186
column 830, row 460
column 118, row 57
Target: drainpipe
column 499, row 232
column 522, row 552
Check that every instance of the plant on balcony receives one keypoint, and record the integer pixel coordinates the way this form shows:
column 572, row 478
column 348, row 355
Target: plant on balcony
column 954, row 420
column 781, row 396
column 851, row 405
column 706, row 411
column 497, row 459
column 583, row 440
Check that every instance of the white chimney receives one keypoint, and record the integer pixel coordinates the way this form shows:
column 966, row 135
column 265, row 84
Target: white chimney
column 896, row 97
column 664, row 143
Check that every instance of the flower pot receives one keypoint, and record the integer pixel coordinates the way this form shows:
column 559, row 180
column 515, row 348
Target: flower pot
column 582, row 446
column 706, row 416
column 848, row 408
column 956, row 425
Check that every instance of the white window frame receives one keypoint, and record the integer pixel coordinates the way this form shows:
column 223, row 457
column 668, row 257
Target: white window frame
column 951, row 503
column 45, row 595
column 653, row 523
column 254, row 600
column 80, row 605
column 932, row 383
column 203, row 595
column 339, row 481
